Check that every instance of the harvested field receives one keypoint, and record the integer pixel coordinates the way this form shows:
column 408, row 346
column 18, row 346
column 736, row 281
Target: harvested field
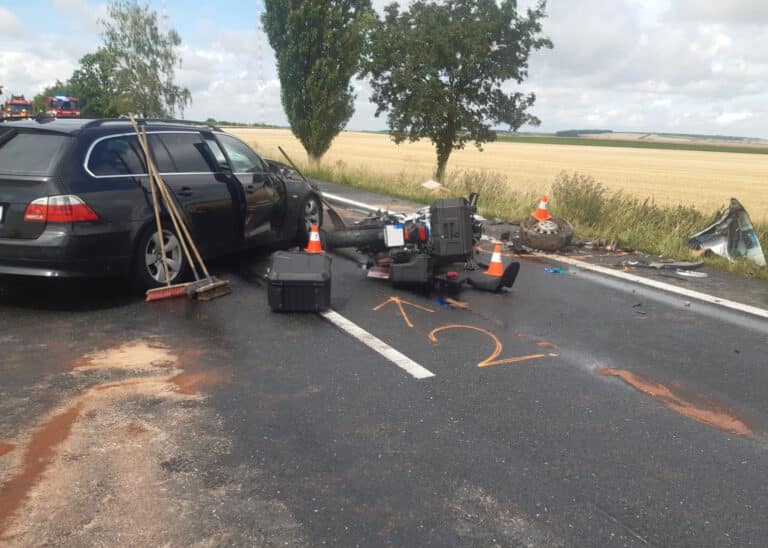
column 706, row 180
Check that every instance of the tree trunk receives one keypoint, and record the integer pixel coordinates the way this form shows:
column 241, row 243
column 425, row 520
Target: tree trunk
column 443, row 153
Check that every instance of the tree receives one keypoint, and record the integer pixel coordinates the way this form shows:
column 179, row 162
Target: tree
column 317, row 44
column 441, row 70
column 95, row 85
column 144, row 61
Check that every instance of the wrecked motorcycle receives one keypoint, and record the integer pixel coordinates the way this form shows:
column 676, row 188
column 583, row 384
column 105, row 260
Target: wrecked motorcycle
column 433, row 248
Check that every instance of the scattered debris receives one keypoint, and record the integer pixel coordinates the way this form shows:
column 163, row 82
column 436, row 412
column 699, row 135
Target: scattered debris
column 453, row 303
column 691, row 273
column 731, row 236
column 663, row 264
column 433, row 186
column 554, row 270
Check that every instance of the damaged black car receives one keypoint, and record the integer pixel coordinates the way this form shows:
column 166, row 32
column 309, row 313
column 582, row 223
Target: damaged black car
column 75, row 200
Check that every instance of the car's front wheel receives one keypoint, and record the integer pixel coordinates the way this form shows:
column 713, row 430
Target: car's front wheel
column 311, row 215
column 149, row 269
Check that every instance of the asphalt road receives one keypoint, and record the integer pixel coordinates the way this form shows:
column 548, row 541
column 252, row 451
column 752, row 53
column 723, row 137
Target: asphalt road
column 614, row 416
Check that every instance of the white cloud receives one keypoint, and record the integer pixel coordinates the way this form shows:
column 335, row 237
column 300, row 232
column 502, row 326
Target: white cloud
column 727, row 118
column 10, row 24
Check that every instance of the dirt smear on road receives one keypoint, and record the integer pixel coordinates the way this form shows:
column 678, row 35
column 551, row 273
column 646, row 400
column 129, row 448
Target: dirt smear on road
column 39, row 454
column 134, row 355
column 705, row 410
column 6, row 448
column 91, row 473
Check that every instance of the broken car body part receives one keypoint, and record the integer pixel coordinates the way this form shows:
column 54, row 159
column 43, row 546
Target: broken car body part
column 731, row 236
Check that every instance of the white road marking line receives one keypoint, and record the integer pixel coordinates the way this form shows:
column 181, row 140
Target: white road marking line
column 704, row 297
column 376, row 344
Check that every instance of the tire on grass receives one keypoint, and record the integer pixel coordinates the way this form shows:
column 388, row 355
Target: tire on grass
column 551, row 235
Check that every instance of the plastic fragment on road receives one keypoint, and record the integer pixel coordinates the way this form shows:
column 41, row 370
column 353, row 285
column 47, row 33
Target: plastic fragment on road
column 453, row 303
column 731, row 236
column 554, row 270
column 379, row 272
column 691, row 273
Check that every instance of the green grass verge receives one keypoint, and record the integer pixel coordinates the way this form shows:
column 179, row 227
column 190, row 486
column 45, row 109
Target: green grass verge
column 618, row 143
column 594, row 211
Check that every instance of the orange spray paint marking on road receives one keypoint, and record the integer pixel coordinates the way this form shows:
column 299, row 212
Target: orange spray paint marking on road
column 6, row 448
column 715, row 415
column 39, row 455
column 546, row 344
column 399, row 302
column 498, row 348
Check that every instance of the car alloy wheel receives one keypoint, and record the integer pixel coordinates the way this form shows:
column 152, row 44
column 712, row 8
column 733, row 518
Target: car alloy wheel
column 173, row 256
column 312, row 214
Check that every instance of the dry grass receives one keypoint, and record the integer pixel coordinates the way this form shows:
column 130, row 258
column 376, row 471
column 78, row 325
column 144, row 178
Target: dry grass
column 706, row 180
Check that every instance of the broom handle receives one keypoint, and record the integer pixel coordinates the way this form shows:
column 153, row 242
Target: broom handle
column 166, row 194
column 156, row 207
column 144, row 142
column 172, row 207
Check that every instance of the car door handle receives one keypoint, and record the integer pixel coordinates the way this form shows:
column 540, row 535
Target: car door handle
column 185, row 191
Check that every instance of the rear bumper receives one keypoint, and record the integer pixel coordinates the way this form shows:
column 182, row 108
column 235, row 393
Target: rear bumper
column 60, row 252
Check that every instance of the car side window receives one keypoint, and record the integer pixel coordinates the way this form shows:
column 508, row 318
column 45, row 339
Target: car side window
column 217, row 152
column 243, row 158
column 188, row 153
column 117, row 156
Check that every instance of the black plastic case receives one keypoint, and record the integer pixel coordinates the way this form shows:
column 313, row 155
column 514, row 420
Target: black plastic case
column 299, row 282
column 451, row 221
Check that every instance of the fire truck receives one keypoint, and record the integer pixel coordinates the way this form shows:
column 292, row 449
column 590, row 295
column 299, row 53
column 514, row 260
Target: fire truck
column 17, row 108
column 61, row 106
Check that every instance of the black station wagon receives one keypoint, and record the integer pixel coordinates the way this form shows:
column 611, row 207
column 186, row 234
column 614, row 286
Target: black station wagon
column 75, row 198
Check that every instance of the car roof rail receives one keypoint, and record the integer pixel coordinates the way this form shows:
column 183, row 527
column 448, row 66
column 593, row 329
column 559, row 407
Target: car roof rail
column 101, row 121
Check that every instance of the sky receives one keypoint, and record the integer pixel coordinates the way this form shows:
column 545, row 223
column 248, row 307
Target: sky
column 677, row 66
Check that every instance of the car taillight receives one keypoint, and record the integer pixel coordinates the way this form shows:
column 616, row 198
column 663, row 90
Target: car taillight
column 59, row 209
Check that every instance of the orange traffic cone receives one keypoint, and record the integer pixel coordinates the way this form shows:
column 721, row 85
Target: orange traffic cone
column 314, row 245
column 542, row 214
column 496, row 267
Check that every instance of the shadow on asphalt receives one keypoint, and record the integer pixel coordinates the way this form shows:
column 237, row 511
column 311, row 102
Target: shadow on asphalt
column 86, row 295
column 68, row 295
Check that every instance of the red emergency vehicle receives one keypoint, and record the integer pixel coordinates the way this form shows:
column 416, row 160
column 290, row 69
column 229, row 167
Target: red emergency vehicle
column 17, row 108
column 61, row 106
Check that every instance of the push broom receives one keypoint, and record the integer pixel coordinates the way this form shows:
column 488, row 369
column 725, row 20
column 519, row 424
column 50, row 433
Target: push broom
column 202, row 289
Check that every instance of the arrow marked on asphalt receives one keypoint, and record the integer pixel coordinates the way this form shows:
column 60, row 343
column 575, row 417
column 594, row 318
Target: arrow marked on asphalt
column 399, row 302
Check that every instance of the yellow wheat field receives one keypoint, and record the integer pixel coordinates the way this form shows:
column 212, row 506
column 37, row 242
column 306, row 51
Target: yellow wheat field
column 704, row 179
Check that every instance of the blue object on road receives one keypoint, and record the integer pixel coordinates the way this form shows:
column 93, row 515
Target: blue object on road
column 551, row 270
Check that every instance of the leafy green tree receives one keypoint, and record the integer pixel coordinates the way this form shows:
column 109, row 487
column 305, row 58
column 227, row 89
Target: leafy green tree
column 95, row 85
column 317, row 44
column 145, row 61
column 441, row 70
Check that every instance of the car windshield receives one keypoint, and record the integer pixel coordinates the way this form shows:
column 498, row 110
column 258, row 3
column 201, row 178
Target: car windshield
column 32, row 153
column 19, row 108
column 66, row 105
